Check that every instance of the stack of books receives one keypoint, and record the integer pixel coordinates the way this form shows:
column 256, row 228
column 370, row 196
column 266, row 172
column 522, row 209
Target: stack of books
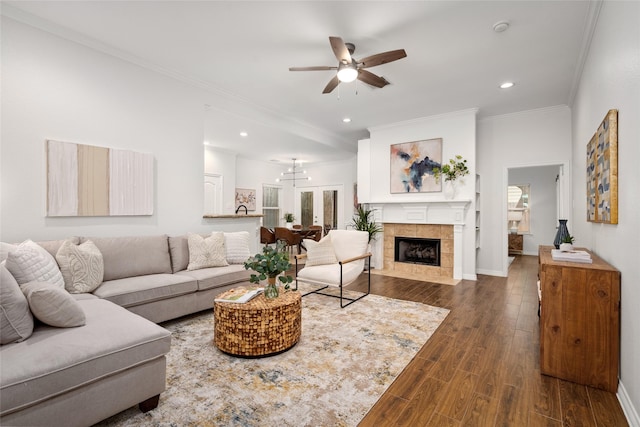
column 571, row 256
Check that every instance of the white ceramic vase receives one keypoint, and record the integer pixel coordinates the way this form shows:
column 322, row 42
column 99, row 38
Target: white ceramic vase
column 450, row 188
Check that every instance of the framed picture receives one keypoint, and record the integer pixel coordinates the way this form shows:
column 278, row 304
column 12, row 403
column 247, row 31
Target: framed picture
column 86, row 180
column 412, row 165
column 246, row 197
column 602, row 172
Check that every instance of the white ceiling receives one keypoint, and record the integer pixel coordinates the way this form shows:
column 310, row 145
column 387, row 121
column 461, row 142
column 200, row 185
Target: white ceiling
column 241, row 52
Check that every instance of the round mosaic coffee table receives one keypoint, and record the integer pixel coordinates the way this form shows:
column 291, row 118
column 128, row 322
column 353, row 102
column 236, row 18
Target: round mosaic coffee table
column 259, row 327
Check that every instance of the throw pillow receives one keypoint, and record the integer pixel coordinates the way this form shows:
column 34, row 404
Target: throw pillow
column 52, row 305
column 30, row 262
column 81, row 266
column 237, row 247
column 206, row 252
column 320, row 253
column 16, row 322
column 5, row 248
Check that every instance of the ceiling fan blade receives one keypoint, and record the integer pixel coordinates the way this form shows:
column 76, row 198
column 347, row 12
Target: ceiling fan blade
column 333, row 83
column 340, row 50
column 371, row 79
column 382, row 58
column 317, row 68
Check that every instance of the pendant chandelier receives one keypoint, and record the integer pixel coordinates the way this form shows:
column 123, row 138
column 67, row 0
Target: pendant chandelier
column 294, row 174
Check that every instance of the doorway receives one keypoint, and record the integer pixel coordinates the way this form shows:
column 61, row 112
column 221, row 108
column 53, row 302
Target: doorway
column 537, row 217
column 320, row 206
column 212, row 194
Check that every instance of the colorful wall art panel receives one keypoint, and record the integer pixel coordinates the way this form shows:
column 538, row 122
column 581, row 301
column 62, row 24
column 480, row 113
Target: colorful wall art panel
column 246, row 197
column 84, row 180
column 602, row 172
column 412, row 165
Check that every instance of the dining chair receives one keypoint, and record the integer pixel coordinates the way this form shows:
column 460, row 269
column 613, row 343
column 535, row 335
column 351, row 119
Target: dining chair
column 267, row 236
column 315, row 232
column 288, row 237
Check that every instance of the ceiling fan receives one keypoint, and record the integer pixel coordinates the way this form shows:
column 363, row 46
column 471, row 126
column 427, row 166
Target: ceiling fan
column 350, row 68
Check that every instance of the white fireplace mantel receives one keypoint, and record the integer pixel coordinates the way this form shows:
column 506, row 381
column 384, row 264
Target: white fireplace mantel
column 432, row 212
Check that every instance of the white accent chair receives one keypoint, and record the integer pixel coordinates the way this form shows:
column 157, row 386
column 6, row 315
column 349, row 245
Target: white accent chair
column 350, row 249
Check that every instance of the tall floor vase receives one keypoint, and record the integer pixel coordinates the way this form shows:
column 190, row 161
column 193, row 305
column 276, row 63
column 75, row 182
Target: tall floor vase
column 562, row 232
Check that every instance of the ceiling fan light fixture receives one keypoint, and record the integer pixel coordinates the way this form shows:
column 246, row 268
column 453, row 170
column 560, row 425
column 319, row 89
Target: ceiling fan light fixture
column 347, row 72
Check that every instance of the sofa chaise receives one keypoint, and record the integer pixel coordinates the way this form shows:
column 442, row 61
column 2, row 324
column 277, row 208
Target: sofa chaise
column 77, row 376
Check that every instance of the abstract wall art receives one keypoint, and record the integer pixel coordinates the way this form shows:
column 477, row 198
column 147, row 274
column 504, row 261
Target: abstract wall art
column 602, row 172
column 246, row 197
column 85, row 180
column 412, row 166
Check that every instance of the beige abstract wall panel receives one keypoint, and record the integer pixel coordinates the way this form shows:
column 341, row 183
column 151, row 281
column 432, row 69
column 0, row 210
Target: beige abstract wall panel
column 62, row 179
column 93, row 181
column 84, row 180
column 130, row 183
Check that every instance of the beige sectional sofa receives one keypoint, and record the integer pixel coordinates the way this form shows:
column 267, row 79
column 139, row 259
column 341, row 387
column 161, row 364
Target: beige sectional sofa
column 78, row 376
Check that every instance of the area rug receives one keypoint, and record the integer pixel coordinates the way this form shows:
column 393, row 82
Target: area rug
column 344, row 361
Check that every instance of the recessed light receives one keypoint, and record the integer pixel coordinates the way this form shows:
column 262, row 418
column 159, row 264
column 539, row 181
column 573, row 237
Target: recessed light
column 243, row 133
column 506, row 85
column 501, row 26
column 346, row 120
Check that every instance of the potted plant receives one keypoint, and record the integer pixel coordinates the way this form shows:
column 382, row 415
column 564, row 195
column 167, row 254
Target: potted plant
column 271, row 263
column 288, row 219
column 567, row 243
column 456, row 168
column 363, row 221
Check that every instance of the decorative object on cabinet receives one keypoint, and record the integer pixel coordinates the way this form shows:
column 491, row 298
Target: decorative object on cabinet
column 245, row 197
column 412, row 166
column 567, row 243
column 516, row 243
column 562, row 232
column 580, row 320
column 602, row 172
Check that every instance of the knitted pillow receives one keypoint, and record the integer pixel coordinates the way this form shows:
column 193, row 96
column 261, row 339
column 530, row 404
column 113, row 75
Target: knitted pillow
column 53, row 306
column 320, row 253
column 30, row 262
column 16, row 322
column 237, row 247
column 206, row 252
column 81, row 266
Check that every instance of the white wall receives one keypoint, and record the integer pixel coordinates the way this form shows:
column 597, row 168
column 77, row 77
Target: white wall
column 611, row 79
column 458, row 132
column 542, row 203
column 56, row 89
column 530, row 138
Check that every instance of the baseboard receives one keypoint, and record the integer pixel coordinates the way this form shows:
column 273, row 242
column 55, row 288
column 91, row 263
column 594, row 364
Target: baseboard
column 490, row 272
column 470, row 277
column 627, row 406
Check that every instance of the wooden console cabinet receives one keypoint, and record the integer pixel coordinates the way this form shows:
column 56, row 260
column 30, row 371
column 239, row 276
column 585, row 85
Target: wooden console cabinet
column 580, row 321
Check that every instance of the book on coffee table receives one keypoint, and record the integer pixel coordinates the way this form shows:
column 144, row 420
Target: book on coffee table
column 239, row 295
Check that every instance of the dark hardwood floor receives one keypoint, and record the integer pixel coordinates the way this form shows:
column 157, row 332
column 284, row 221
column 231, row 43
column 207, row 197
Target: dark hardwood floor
column 481, row 367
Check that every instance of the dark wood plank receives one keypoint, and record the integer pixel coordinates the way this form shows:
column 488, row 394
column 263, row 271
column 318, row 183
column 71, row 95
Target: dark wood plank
column 574, row 401
column 606, row 408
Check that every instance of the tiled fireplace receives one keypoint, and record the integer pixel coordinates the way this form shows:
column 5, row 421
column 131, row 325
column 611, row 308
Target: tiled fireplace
column 443, row 233
column 440, row 220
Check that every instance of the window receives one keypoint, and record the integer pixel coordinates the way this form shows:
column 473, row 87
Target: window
column 271, row 206
column 519, row 214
